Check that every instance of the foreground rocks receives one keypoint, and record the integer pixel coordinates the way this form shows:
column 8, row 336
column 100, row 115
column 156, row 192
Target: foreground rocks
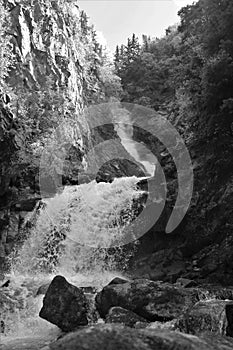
column 154, row 301
column 64, row 305
column 139, row 315
column 128, row 318
column 215, row 316
column 117, row 337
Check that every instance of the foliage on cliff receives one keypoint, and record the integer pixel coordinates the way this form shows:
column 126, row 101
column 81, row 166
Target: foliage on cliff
column 192, row 66
column 5, row 53
column 59, row 67
column 51, row 67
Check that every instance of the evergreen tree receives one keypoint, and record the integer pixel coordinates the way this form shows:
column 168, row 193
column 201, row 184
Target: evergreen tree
column 6, row 57
column 133, row 49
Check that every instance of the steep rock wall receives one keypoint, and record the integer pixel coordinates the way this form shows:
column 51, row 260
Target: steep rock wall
column 49, row 40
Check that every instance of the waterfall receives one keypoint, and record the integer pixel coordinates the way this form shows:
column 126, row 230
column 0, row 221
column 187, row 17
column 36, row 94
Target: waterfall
column 124, row 129
column 79, row 233
column 71, row 236
column 76, row 227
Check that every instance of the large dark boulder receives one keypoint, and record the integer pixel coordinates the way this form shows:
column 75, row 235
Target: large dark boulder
column 118, row 314
column 215, row 292
column 117, row 337
column 118, row 168
column 64, row 305
column 118, row 280
column 43, row 289
column 154, row 301
column 215, row 316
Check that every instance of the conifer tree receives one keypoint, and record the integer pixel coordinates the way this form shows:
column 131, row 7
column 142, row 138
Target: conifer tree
column 6, row 56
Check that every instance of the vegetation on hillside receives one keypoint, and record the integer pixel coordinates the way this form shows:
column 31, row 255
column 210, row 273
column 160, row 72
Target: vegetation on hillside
column 40, row 89
column 189, row 71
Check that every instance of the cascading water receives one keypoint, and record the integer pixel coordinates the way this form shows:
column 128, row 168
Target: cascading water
column 71, row 237
column 77, row 234
column 125, row 130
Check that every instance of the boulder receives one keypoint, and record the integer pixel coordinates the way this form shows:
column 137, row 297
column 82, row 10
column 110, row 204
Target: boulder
column 89, row 289
column 119, row 315
column 64, row 305
column 43, row 289
column 118, row 337
column 215, row 316
column 143, row 184
column 118, row 280
column 186, row 282
column 28, row 204
column 215, row 292
column 154, row 301
column 118, row 168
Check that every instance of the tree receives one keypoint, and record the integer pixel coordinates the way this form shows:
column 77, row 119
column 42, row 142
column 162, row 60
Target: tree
column 6, row 57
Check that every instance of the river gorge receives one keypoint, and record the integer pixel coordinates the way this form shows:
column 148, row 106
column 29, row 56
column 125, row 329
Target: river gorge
column 116, row 185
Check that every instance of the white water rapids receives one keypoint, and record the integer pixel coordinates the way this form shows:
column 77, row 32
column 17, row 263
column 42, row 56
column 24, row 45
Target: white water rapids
column 69, row 238
column 64, row 241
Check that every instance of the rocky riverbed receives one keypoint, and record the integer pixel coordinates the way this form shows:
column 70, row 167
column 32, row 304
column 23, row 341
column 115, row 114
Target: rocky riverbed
column 124, row 314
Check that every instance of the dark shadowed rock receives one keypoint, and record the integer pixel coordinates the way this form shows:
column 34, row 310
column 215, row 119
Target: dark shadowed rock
column 43, row 289
column 143, row 184
column 2, row 327
column 154, row 301
column 88, row 290
column 119, row 315
column 6, row 284
column 117, row 337
column 64, row 305
column 215, row 316
column 118, row 280
column 118, row 168
column 27, row 204
column 215, row 292
column 186, row 283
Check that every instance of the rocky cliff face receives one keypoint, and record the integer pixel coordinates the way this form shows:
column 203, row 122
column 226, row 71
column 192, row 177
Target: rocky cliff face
column 53, row 45
column 201, row 247
column 53, row 38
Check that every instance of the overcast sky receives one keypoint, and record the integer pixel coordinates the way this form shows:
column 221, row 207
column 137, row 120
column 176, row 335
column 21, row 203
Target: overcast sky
column 116, row 20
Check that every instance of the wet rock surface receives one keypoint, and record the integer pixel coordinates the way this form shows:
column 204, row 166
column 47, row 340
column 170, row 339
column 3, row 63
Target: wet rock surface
column 182, row 321
column 64, row 305
column 117, row 337
column 215, row 316
column 118, row 168
column 120, row 315
column 154, row 301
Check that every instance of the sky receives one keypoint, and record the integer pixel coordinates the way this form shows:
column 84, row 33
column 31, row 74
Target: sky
column 116, row 20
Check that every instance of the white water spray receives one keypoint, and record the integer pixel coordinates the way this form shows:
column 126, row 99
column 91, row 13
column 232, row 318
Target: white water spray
column 69, row 238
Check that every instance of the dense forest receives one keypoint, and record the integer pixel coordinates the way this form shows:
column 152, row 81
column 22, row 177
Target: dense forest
column 188, row 75
column 188, row 71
